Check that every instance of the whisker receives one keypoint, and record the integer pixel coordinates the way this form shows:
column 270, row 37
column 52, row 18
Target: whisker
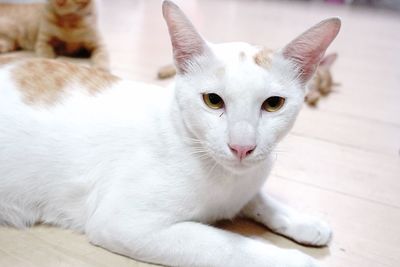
column 202, row 157
column 211, row 170
column 199, row 148
column 198, row 153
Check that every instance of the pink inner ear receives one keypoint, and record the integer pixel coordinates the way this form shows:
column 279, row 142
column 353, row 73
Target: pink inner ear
column 185, row 44
column 328, row 61
column 186, row 41
column 307, row 50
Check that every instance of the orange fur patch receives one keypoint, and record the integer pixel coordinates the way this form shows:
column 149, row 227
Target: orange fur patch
column 44, row 81
column 263, row 58
column 19, row 23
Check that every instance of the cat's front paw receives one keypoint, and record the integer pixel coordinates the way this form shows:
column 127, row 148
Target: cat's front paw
column 308, row 230
column 6, row 46
column 45, row 52
column 100, row 59
column 101, row 63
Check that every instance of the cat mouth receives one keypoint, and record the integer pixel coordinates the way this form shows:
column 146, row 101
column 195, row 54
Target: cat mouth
column 234, row 164
column 239, row 167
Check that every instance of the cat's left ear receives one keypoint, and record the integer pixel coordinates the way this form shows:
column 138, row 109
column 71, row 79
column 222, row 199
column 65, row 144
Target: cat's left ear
column 307, row 50
column 187, row 44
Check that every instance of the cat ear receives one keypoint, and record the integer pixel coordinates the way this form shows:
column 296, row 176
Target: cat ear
column 187, row 43
column 327, row 61
column 307, row 50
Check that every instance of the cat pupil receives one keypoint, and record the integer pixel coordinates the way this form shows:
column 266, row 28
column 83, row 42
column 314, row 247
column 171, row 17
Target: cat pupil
column 274, row 101
column 214, row 99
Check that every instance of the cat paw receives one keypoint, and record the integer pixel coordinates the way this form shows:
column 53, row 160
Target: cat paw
column 103, row 67
column 46, row 52
column 308, row 230
column 102, row 64
column 6, row 46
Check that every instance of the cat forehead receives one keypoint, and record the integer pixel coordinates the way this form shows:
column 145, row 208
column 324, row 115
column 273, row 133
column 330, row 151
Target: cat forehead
column 244, row 68
column 243, row 60
column 239, row 53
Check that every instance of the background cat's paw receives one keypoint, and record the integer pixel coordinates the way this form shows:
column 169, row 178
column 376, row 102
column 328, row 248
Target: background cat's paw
column 100, row 63
column 310, row 231
column 6, row 46
column 46, row 52
column 103, row 67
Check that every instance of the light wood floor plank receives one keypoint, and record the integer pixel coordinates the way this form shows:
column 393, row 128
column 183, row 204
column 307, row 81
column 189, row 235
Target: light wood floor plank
column 358, row 172
column 360, row 133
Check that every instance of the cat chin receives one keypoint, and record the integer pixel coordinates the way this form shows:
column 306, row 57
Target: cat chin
column 235, row 166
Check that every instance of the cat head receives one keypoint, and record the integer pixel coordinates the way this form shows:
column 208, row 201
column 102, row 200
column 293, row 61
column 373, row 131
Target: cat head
column 65, row 7
column 238, row 100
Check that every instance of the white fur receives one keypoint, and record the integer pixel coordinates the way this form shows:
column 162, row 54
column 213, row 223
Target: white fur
column 142, row 170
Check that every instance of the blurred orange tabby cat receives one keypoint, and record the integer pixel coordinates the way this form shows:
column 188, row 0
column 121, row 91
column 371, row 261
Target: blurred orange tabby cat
column 57, row 27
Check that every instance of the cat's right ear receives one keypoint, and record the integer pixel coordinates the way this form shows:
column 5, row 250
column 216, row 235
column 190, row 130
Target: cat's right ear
column 307, row 50
column 187, row 44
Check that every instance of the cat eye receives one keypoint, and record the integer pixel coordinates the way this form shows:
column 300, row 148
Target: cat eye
column 273, row 103
column 213, row 101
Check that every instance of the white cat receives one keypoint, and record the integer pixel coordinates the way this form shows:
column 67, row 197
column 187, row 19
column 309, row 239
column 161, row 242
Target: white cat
column 144, row 170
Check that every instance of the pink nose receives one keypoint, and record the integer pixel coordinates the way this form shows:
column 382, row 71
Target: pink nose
column 241, row 151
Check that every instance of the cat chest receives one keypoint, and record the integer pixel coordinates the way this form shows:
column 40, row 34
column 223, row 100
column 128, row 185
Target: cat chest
column 65, row 48
column 223, row 199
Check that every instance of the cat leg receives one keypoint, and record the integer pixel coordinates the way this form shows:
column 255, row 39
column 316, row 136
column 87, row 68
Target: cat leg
column 99, row 56
column 8, row 35
column 7, row 45
column 42, row 47
column 188, row 244
column 285, row 221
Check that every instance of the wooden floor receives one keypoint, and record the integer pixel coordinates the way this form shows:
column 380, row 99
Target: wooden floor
column 340, row 162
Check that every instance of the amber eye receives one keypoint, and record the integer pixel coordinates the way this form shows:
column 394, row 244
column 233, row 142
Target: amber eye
column 213, row 101
column 273, row 103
